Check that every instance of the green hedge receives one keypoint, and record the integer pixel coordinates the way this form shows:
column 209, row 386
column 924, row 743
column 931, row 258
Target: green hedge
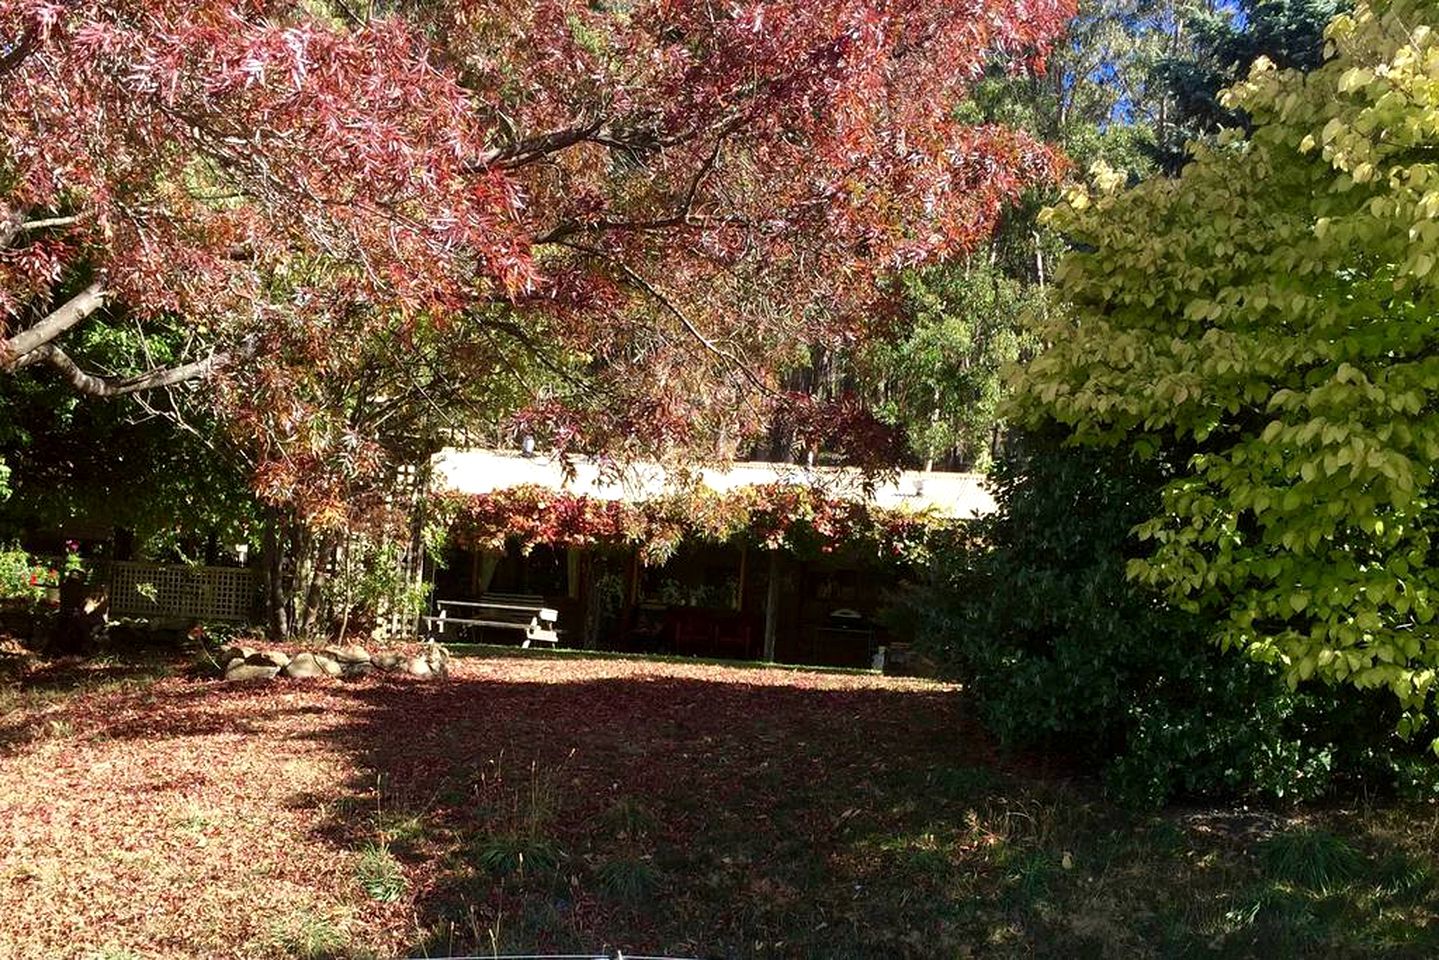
column 1060, row 652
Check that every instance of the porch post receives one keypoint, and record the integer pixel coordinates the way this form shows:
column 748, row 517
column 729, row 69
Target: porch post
column 632, row 581
column 771, row 607
column 572, row 573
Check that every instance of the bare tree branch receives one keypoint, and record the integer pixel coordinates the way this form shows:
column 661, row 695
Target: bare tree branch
column 517, row 333
column 67, row 315
column 348, row 14
column 528, row 150
column 684, row 215
column 569, row 228
column 47, row 223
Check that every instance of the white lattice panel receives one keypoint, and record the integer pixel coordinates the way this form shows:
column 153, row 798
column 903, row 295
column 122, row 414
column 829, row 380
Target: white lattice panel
column 160, row 590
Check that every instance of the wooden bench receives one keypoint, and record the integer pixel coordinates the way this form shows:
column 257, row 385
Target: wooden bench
column 502, row 611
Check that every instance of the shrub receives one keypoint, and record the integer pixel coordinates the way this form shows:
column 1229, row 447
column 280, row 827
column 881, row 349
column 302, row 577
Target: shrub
column 21, row 577
column 1060, row 651
column 1272, row 306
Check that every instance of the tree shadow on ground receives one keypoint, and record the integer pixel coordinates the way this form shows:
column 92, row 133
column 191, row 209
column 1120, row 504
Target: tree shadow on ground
column 27, row 681
column 715, row 816
column 648, row 812
column 72, row 673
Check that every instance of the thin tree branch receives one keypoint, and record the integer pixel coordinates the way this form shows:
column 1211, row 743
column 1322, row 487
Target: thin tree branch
column 634, row 140
column 354, row 19
column 18, row 53
column 48, row 223
column 682, row 217
column 109, row 387
column 528, row 150
column 673, row 310
column 519, row 335
column 175, row 418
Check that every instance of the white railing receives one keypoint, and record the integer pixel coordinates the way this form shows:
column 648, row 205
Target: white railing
column 173, row 590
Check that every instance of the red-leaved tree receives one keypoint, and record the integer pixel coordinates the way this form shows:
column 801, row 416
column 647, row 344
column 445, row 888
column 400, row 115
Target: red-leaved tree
column 657, row 205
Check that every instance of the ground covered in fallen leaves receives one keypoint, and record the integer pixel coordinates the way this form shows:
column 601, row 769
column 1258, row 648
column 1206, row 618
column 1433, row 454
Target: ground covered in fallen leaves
column 530, row 804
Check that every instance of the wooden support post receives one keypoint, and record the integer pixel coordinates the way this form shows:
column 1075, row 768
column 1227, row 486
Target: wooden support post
column 743, row 572
column 771, row 607
column 632, row 580
column 572, row 573
column 589, row 601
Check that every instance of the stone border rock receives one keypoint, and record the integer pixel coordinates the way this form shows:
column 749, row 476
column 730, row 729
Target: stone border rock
column 248, row 663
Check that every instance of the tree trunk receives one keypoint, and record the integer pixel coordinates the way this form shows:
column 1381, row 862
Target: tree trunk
column 296, row 570
column 277, row 618
column 344, row 562
column 321, row 553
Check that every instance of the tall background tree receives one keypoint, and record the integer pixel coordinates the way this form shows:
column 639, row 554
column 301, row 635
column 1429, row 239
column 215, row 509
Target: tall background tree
column 1222, row 43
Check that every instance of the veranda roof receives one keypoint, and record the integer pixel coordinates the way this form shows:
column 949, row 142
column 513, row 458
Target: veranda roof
column 958, row 495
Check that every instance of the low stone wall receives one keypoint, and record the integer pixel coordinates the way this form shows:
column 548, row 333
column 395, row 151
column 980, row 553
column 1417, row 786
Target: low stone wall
column 249, row 663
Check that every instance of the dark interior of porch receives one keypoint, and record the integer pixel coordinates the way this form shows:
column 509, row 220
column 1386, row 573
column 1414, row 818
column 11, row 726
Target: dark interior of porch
column 706, row 600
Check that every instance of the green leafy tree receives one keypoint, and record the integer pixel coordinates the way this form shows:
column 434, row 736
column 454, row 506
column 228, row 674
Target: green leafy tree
column 154, row 465
column 938, row 377
column 1097, row 97
column 1273, row 306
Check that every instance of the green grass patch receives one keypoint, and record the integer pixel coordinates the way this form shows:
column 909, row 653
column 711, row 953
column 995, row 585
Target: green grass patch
column 399, row 827
column 309, row 935
column 378, row 873
column 628, row 879
column 500, row 651
column 517, row 854
column 1313, row 859
column 628, row 817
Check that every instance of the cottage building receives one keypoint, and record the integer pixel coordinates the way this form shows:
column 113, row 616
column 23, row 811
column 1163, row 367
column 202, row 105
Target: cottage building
column 738, row 596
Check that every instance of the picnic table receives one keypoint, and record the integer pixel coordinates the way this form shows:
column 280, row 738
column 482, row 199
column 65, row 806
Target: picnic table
column 500, row 611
